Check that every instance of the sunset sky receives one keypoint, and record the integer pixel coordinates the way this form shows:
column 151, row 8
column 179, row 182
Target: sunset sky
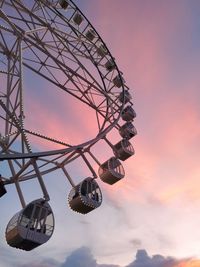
column 155, row 209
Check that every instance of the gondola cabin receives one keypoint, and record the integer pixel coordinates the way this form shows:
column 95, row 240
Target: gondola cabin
column 125, row 97
column 118, row 80
column 31, row 227
column 101, row 51
column 90, row 34
column 2, row 189
column 78, row 18
column 110, row 65
column 128, row 113
column 127, row 130
column 111, row 171
column 63, row 3
column 123, row 149
column 85, row 197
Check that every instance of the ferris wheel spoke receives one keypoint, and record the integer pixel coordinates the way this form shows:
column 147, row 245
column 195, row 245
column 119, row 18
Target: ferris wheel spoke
column 81, row 65
column 59, row 64
column 48, row 166
column 15, row 166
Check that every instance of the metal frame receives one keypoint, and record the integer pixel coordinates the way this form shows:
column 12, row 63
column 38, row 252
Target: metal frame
column 42, row 37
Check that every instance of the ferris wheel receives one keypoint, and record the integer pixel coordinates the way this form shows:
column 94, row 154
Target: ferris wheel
column 55, row 43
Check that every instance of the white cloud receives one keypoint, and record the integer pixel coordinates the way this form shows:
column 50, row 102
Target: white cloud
column 82, row 257
column 144, row 260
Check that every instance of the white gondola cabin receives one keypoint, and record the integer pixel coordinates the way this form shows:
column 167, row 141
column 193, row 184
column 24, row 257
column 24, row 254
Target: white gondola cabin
column 64, row 4
column 111, row 171
column 118, row 81
column 31, row 227
column 78, row 18
column 2, row 189
column 127, row 130
column 85, row 197
column 90, row 34
column 128, row 113
column 123, row 149
column 125, row 97
column 110, row 65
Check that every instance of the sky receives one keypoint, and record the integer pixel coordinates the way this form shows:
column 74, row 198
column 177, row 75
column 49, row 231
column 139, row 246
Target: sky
column 151, row 218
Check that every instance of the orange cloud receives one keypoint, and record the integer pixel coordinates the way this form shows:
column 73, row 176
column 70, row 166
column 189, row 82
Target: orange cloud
column 189, row 263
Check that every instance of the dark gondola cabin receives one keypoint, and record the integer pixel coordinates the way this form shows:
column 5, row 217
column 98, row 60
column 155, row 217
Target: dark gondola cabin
column 2, row 188
column 128, row 113
column 31, row 227
column 123, row 149
column 110, row 65
column 85, row 196
column 118, row 80
column 78, row 19
column 125, row 97
column 90, row 34
column 127, row 130
column 63, row 3
column 111, row 171
column 102, row 51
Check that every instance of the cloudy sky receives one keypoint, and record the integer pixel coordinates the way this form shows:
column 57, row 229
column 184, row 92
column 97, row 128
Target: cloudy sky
column 151, row 218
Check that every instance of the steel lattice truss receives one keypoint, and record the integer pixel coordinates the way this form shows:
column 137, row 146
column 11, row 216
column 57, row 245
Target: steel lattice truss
column 54, row 41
